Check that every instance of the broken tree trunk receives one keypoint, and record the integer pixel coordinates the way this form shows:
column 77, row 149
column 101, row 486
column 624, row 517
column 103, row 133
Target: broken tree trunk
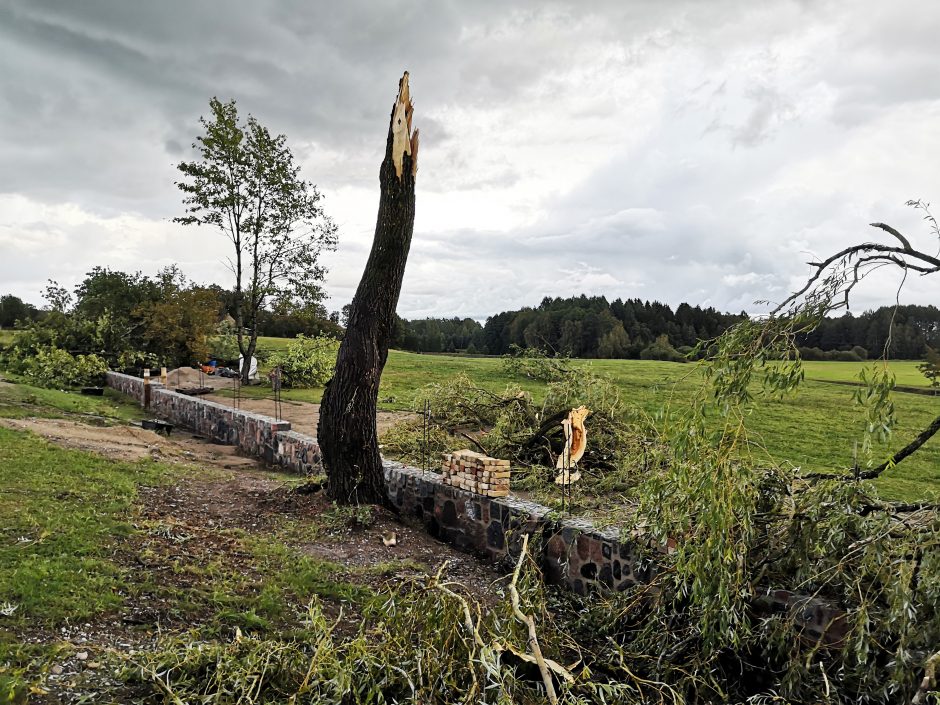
column 347, row 429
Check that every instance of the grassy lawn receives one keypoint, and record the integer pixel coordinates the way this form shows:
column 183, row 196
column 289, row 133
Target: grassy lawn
column 816, row 429
column 81, row 552
column 58, row 511
column 905, row 371
column 22, row 400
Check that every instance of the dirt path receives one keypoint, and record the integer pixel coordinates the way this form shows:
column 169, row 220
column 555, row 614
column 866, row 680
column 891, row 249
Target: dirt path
column 130, row 443
column 304, row 416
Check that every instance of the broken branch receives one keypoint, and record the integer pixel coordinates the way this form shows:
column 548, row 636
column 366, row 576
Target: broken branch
column 529, row 622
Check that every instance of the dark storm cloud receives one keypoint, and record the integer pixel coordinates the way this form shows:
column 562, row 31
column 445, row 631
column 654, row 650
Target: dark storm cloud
column 681, row 150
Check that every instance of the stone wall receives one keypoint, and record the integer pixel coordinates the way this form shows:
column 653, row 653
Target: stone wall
column 298, row 453
column 575, row 553
column 255, row 434
column 572, row 552
column 129, row 385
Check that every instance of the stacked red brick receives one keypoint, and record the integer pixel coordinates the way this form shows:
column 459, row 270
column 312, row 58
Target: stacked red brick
column 476, row 472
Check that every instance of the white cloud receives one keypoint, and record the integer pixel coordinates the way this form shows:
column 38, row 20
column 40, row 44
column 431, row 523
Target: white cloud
column 676, row 151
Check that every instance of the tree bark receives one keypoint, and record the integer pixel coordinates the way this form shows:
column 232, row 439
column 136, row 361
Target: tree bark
column 347, row 427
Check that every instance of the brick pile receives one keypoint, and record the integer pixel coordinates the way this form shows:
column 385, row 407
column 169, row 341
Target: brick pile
column 476, row 472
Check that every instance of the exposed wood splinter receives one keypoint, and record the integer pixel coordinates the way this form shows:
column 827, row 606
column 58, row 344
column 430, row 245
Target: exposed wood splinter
column 403, row 142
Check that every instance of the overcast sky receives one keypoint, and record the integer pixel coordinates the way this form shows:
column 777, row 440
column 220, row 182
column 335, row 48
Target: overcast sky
column 679, row 151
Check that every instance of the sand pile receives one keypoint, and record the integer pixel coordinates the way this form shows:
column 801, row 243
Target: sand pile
column 187, row 378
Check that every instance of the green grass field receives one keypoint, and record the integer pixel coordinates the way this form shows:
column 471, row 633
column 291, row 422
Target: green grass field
column 816, row 429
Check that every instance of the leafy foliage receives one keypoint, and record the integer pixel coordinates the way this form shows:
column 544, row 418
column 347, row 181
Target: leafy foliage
column 930, row 367
column 56, row 368
column 532, row 363
column 14, row 310
column 738, row 524
column 426, row 641
column 246, row 184
column 176, row 326
column 661, row 349
column 127, row 319
column 511, row 424
column 306, row 362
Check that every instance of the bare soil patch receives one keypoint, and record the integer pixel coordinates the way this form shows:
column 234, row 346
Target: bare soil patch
column 303, row 416
column 130, row 443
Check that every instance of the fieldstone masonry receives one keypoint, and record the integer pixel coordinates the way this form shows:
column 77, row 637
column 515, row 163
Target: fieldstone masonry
column 573, row 552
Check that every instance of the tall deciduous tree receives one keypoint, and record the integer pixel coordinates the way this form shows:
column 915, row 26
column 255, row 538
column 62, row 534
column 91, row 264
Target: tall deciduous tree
column 246, row 184
column 347, row 429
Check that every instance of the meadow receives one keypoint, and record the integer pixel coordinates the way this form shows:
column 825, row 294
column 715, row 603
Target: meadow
column 816, row 429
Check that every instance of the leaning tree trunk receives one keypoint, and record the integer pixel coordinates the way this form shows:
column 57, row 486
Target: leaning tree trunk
column 347, row 429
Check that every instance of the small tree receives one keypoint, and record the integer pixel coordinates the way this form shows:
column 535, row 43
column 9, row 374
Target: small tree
column 177, row 325
column 246, row 184
column 930, row 367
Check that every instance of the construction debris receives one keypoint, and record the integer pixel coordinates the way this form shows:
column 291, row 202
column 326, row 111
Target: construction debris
column 476, row 472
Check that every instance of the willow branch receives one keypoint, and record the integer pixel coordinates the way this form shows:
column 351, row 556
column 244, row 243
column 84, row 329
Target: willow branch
column 888, row 229
column 921, row 438
column 529, row 621
column 885, row 253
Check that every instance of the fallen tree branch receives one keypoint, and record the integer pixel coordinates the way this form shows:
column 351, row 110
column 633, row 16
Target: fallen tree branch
column 929, row 681
column 888, row 229
column 467, row 614
column 474, row 441
column 554, row 666
column 473, row 629
column 529, row 621
column 874, row 252
column 907, row 450
column 921, row 438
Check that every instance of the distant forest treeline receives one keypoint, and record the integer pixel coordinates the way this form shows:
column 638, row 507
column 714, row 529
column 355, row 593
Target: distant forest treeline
column 580, row 326
column 592, row 327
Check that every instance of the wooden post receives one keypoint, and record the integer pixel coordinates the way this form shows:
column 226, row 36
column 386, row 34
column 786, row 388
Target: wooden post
column 146, row 401
column 163, row 376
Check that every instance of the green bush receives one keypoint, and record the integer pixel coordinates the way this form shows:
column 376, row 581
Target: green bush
column 224, row 347
column 54, row 367
column 532, row 363
column 856, row 354
column 661, row 349
column 843, row 356
column 306, row 362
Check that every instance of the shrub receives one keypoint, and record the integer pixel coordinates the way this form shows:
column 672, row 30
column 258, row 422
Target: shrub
column 930, row 367
column 812, row 354
column 843, row 356
column 54, row 367
column 661, row 349
column 861, row 352
column 306, row 362
column 532, row 363
column 223, row 347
